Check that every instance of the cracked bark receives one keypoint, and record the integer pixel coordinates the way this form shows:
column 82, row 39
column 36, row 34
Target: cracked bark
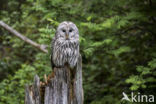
column 60, row 88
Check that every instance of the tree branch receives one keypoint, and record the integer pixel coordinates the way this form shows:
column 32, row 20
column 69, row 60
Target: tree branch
column 42, row 47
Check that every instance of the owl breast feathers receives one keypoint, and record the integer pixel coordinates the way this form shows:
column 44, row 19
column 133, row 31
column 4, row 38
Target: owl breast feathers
column 65, row 45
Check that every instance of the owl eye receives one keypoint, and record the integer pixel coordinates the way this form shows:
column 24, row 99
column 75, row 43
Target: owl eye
column 64, row 30
column 70, row 30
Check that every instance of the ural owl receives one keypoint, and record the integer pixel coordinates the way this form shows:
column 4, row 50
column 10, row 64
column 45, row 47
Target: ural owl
column 65, row 45
column 65, row 51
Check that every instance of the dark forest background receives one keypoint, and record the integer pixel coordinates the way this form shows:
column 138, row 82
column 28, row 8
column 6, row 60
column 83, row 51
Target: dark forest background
column 117, row 43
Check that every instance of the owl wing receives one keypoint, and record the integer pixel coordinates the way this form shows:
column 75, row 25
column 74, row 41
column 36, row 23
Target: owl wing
column 51, row 56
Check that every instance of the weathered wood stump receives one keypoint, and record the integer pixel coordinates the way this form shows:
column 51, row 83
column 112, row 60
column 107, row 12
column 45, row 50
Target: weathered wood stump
column 60, row 88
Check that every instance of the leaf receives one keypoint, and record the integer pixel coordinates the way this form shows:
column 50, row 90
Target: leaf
column 122, row 49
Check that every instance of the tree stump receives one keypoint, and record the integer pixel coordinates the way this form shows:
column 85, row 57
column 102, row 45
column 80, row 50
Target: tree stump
column 59, row 88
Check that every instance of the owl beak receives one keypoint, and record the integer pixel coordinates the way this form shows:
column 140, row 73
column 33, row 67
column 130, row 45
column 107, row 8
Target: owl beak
column 67, row 37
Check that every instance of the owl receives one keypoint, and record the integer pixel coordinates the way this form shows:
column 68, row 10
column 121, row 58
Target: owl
column 65, row 45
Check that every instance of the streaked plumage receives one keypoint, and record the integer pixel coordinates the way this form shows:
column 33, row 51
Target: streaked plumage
column 65, row 45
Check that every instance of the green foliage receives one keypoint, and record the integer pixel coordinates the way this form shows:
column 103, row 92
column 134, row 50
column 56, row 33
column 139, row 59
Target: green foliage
column 141, row 80
column 15, row 84
column 12, row 88
column 117, row 43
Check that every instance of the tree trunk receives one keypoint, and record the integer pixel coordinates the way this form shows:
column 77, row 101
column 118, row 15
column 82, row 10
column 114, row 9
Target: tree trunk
column 60, row 88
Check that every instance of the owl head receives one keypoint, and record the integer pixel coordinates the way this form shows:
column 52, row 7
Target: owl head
column 67, row 31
